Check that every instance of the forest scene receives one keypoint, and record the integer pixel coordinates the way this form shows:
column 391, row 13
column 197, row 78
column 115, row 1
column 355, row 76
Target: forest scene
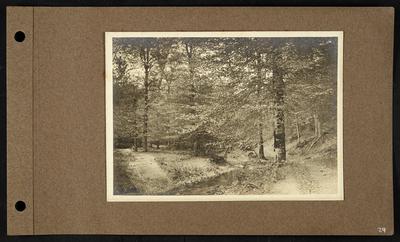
column 224, row 115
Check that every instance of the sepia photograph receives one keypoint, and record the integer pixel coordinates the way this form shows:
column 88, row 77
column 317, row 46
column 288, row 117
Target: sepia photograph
column 224, row 116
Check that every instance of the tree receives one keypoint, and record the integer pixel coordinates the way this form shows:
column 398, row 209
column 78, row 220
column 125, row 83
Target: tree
column 189, row 47
column 243, row 66
column 209, row 94
column 126, row 97
column 279, row 114
column 259, row 64
column 145, row 57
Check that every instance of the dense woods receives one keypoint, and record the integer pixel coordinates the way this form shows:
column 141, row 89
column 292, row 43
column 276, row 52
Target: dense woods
column 263, row 98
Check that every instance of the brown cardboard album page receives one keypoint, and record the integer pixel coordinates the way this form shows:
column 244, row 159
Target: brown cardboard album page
column 214, row 121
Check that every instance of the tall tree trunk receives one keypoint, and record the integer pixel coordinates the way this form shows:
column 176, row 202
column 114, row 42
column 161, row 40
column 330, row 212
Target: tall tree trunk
column 195, row 147
column 134, row 126
column 279, row 116
column 298, row 130
column 261, row 154
column 135, row 132
column 189, row 55
column 317, row 126
column 189, row 51
column 146, row 109
column 145, row 57
column 135, row 143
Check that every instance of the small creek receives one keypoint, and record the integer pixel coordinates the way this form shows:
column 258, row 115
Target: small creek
column 209, row 186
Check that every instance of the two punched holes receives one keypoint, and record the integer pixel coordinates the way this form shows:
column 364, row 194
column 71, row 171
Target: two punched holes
column 20, row 37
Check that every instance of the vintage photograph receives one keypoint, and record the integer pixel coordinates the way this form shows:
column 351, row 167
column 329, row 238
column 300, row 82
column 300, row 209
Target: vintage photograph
column 230, row 116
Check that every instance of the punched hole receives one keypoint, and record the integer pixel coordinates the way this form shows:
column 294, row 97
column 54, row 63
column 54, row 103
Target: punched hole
column 19, row 36
column 20, row 206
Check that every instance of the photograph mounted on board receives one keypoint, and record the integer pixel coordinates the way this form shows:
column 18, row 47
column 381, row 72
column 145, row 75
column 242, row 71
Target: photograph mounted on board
column 224, row 116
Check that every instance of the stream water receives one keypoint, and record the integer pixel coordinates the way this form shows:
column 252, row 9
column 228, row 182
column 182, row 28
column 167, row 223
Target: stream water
column 209, row 186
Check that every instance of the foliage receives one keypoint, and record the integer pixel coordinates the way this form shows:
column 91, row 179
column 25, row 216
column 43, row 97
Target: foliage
column 210, row 94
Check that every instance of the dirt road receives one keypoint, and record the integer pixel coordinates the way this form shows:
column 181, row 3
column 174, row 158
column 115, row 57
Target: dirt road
column 147, row 167
column 307, row 177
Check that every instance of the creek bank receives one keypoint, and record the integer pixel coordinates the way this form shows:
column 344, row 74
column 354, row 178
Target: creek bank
column 179, row 173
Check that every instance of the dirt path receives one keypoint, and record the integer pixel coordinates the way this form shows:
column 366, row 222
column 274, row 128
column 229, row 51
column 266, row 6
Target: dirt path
column 145, row 172
column 286, row 186
column 326, row 177
column 147, row 167
column 194, row 176
column 307, row 178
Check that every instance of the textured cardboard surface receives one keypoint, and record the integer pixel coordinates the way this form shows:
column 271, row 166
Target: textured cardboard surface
column 68, row 113
column 20, row 122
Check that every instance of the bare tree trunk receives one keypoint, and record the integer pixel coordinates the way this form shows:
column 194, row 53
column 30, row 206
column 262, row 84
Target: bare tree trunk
column 189, row 52
column 135, row 143
column 298, row 131
column 189, row 55
column 146, row 109
column 317, row 126
column 135, row 132
column 195, row 147
column 279, row 116
column 145, row 57
column 227, row 150
column 261, row 154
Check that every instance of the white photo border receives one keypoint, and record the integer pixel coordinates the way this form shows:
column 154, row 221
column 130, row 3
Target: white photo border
column 110, row 197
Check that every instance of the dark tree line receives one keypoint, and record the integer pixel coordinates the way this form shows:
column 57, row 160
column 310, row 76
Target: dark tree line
column 210, row 95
